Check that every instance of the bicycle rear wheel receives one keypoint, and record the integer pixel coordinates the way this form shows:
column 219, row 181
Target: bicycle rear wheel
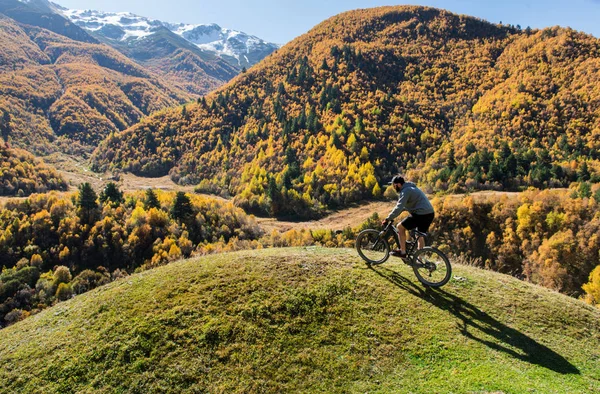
column 432, row 267
column 372, row 248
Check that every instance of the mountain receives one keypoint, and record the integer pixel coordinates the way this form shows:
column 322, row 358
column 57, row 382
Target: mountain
column 43, row 14
column 240, row 49
column 305, row 320
column 65, row 90
column 66, row 94
column 454, row 102
column 197, row 58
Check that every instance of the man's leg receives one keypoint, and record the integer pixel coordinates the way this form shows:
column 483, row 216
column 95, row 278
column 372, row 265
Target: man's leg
column 402, row 236
column 423, row 223
column 406, row 224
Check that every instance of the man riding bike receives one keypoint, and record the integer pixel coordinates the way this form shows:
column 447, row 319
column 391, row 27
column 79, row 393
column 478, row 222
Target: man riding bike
column 413, row 200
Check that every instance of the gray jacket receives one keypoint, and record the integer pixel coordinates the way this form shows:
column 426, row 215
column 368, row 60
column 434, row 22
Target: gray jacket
column 413, row 200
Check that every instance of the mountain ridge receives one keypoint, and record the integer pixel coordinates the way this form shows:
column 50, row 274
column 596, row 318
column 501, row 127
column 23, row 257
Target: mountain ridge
column 366, row 94
column 54, row 86
column 240, row 49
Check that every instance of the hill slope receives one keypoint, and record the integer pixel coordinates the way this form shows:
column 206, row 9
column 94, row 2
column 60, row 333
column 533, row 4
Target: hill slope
column 53, row 86
column 21, row 174
column 305, row 320
column 372, row 92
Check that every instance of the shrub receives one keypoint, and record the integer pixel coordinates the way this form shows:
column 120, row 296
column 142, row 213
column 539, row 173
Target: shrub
column 62, row 274
column 64, row 292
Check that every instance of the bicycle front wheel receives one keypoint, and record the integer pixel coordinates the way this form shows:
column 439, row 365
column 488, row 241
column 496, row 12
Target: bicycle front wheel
column 371, row 247
column 432, row 267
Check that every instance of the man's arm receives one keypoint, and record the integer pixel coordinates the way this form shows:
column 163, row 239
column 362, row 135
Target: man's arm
column 399, row 208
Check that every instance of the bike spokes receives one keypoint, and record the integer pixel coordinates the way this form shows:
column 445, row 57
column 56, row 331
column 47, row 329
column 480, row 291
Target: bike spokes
column 432, row 267
column 373, row 248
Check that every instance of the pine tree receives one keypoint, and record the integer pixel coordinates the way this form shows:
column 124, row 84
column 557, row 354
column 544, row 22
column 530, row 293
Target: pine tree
column 182, row 207
column 583, row 172
column 184, row 113
column 111, row 193
column 451, row 161
column 87, row 203
column 275, row 196
column 5, row 125
column 151, row 200
column 359, row 126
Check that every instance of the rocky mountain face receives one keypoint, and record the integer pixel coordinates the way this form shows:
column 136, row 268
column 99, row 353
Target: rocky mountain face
column 193, row 58
column 196, row 58
column 240, row 49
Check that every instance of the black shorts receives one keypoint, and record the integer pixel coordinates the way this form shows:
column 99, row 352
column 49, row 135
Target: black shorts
column 421, row 222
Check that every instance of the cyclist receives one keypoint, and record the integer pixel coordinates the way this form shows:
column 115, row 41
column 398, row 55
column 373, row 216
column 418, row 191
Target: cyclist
column 413, row 200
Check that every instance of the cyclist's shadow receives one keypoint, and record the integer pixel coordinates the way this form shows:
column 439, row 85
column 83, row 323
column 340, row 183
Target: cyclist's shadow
column 511, row 341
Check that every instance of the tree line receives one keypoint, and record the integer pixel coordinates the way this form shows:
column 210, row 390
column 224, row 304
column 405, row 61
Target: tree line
column 55, row 246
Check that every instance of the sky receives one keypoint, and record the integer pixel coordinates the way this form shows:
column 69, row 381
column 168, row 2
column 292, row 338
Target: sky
column 280, row 21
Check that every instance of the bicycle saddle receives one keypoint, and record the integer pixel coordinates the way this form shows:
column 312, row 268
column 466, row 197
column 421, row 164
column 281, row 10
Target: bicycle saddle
column 420, row 234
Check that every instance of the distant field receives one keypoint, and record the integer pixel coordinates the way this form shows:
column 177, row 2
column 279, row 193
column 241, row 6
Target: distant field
column 76, row 173
column 305, row 320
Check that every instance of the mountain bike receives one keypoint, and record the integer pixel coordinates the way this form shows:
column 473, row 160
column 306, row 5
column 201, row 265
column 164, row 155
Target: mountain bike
column 430, row 265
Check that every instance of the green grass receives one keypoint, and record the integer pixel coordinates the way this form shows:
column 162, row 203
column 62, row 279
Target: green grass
column 305, row 320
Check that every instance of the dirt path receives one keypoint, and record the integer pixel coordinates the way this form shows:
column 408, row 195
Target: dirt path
column 355, row 216
column 337, row 220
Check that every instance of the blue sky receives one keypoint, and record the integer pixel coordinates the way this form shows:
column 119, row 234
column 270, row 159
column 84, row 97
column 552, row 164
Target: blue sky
column 282, row 20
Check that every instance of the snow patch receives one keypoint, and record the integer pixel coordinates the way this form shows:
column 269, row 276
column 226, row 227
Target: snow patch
column 210, row 37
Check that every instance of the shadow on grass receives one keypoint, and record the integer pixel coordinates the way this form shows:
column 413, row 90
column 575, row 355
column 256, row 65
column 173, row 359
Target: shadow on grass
column 475, row 324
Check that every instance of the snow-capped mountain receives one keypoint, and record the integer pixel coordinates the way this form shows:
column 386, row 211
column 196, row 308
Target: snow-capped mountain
column 127, row 27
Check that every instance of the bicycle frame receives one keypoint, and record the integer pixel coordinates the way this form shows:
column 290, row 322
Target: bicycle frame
column 411, row 245
column 427, row 263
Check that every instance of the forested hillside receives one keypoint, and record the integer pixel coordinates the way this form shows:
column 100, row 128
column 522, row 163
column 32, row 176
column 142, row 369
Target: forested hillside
column 54, row 246
column 550, row 238
column 455, row 102
column 58, row 93
column 176, row 60
column 21, row 174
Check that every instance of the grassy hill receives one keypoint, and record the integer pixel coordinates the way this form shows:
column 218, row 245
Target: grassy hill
column 305, row 320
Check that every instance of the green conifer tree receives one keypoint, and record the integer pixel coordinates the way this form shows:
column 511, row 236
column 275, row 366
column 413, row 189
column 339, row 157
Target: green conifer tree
column 151, row 200
column 112, row 194
column 87, row 203
column 182, row 208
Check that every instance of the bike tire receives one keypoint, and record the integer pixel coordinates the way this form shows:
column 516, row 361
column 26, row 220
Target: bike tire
column 364, row 240
column 430, row 256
